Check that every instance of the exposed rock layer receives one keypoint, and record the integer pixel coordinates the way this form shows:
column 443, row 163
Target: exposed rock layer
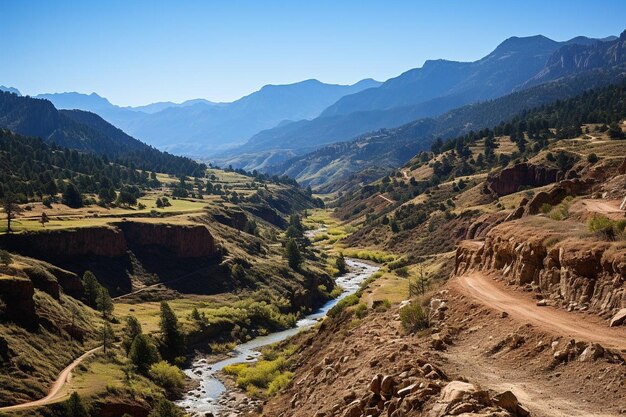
column 509, row 180
column 113, row 241
column 578, row 273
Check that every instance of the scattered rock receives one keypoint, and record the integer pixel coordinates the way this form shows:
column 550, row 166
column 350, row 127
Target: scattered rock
column 619, row 318
column 507, row 400
column 593, row 352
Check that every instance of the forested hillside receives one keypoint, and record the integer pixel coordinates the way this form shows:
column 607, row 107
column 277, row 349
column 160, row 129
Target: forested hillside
column 330, row 166
column 85, row 131
column 454, row 166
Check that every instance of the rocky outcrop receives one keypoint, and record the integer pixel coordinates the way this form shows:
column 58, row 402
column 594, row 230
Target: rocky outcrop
column 510, row 180
column 268, row 214
column 16, row 294
column 113, row 407
column 557, row 194
column 576, row 273
column 184, row 241
column 482, row 225
column 58, row 244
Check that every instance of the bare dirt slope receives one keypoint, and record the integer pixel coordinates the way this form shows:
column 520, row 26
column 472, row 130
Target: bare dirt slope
column 492, row 293
column 520, row 351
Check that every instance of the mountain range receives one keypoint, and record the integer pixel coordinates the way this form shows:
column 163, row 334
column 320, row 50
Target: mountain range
column 295, row 129
column 438, row 86
column 198, row 127
column 569, row 71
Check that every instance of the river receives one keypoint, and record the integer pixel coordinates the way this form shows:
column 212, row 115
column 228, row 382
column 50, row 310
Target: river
column 204, row 399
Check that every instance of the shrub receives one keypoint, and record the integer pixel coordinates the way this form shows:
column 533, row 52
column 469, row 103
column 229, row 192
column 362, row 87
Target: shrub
column 167, row 376
column 261, row 375
column 413, row 317
column 606, row 228
column 165, row 408
column 360, row 311
column 592, row 158
column 279, row 383
column 403, row 271
column 344, row 303
column 5, row 257
column 545, row 208
column 382, row 305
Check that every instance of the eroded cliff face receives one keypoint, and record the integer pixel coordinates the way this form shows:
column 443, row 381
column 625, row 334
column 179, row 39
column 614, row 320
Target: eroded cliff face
column 16, row 293
column 58, row 244
column 184, row 241
column 509, row 180
column 112, row 241
column 576, row 273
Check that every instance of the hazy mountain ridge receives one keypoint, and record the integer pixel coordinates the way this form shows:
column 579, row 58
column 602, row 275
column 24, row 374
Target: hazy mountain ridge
column 199, row 126
column 10, row 90
column 575, row 58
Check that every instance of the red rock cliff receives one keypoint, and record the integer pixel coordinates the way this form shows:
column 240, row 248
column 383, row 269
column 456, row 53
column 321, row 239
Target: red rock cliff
column 185, row 241
column 99, row 241
column 509, row 180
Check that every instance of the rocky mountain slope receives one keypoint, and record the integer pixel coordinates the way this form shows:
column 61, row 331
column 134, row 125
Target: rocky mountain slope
column 330, row 168
column 437, row 87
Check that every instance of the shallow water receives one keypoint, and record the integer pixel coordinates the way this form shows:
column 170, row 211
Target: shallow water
column 204, row 398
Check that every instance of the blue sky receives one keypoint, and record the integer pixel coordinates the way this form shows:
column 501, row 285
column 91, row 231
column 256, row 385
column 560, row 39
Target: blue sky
column 137, row 52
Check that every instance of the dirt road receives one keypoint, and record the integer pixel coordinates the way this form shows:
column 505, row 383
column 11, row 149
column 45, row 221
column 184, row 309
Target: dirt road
column 387, row 199
column 54, row 393
column 493, row 294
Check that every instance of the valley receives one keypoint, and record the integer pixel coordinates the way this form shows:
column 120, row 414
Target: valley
column 450, row 241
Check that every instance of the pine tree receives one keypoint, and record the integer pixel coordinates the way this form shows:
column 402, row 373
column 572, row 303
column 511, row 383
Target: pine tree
column 143, row 353
column 294, row 257
column 104, row 302
column 74, row 406
column 71, row 197
column 340, row 264
column 11, row 209
column 44, row 219
column 132, row 329
column 171, row 338
column 107, row 336
column 91, row 288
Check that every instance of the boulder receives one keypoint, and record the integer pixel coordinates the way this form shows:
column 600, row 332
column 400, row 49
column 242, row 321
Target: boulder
column 591, row 353
column 507, row 400
column 387, row 385
column 619, row 318
column 375, row 384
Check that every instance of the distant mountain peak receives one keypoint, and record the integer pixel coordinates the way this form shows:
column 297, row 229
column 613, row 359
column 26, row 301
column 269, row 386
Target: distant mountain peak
column 524, row 43
column 10, row 90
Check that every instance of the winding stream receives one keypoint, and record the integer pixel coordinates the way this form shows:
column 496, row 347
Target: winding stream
column 204, row 399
